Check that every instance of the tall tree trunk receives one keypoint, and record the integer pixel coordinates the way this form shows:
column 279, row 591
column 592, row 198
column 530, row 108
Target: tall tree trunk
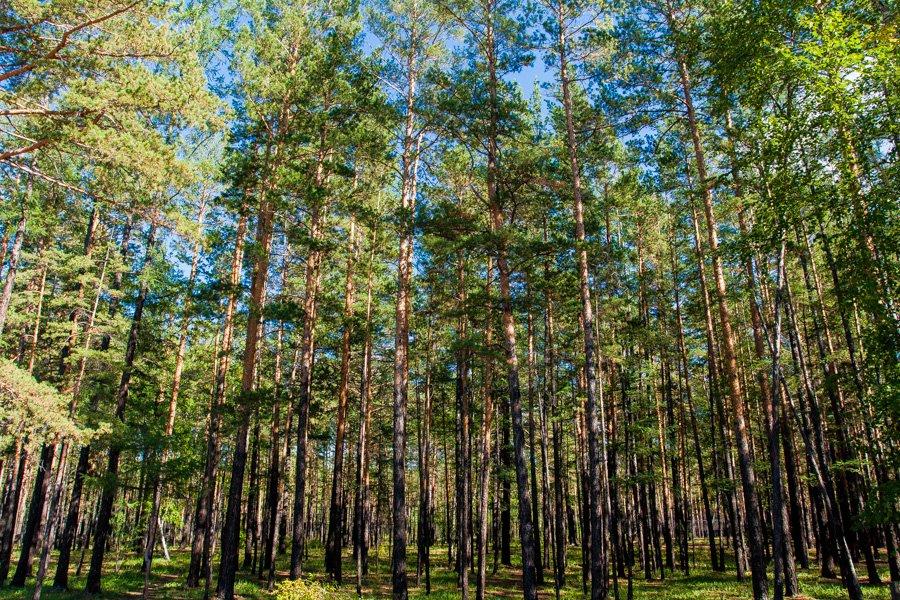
column 278, row 443
column 231, row 525
column 334, row 538
column 559, row 510
column 186, row 314
column 251, row 541
column 304, row 383
column 463, row 424
column 532, row 405
column 409, row 174
column 362, row 461
column 426, row 529
column 102, row 528
column 526, row 533
column 715, row 397
column 484, row 474
column 14, row 257
column 201, row 545
column 598, row 566
column 741, row 436
column 773, row 426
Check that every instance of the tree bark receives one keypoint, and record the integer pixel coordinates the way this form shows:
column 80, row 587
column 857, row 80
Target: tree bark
column 231, row 525
column 484, row 474
column 14, row 256
column 334, row 538
column 304, row 383
column 201, row 545
column 741, row 436
column 102, row 528
column 186, row 314
column 362, row 461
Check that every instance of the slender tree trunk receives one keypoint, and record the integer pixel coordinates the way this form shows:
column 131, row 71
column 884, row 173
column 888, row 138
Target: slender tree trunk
column 102, row 528
column 484, row 474
column 362, row 461
column 409, row 174
column 186, row 314
column 304, row 384
column 201, row 545
column 741, row 436
column 14, row 256
column 231, row 525
column 251, row 526
column 526, row 533
column 277, row 454
column 334, row 538
column 463, row 457
column 559, row 511
column 772, row 419
column 525, row 525
column 598, row 560
column 532, row 405
column 426, row 529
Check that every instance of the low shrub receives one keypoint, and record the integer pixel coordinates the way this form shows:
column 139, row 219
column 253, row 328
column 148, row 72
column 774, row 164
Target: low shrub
column 307, row 590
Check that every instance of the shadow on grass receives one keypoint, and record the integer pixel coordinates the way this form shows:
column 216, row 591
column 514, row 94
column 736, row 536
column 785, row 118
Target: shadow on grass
column 122, row 579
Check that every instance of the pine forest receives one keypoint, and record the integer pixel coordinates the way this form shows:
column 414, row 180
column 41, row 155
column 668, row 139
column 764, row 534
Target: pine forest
column 558, row 299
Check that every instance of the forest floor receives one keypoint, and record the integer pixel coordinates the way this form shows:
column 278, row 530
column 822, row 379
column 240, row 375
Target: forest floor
column 122, row 579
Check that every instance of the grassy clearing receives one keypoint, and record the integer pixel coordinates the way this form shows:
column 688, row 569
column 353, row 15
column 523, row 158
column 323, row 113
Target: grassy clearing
column 122, row 579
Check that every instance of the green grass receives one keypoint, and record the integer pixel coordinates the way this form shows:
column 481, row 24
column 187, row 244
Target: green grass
column 122, row 579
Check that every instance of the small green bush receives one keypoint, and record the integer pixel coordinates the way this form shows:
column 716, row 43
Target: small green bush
column 306, row 590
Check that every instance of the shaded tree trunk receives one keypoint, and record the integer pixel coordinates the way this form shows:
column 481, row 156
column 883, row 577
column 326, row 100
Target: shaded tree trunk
column 102, row 528
column 334, row 537
column 186, row 315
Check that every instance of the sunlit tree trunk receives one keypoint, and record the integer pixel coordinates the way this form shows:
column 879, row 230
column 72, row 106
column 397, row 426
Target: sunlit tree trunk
column 484, row 451
column 362, row 455
column 14, row 256
column 201, row 544
column 335, row 534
